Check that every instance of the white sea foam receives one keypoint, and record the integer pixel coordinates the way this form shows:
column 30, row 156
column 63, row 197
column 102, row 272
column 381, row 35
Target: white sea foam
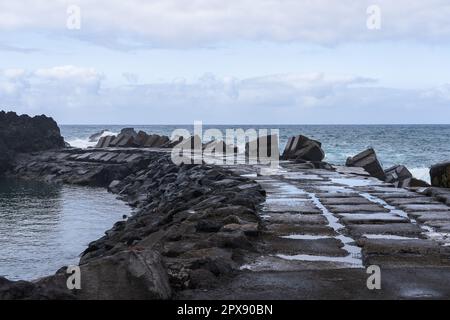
column 85, row 143
column 421, row 173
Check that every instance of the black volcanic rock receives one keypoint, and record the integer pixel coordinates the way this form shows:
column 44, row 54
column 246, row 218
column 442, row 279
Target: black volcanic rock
column 369, row 161
column 22, row 134
column 440, row 175
column 304, row 148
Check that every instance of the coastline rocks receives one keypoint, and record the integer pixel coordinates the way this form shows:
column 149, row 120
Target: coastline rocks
column 266, row 146
column 24, row 290
column 129, row 138
column 96, row 136
column 369, row 161
column 23, row 134
column 202, row 220
column 440, row 175
column 132, row 274
column 398, row 175
column 302, row 148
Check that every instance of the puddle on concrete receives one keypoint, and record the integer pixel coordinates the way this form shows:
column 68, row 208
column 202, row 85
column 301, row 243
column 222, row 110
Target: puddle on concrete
column 352, row 262
column 373, row 216
column 354, row 182
column 300, row 176
column 441, row 237
column 305, row 237
column 387, row 237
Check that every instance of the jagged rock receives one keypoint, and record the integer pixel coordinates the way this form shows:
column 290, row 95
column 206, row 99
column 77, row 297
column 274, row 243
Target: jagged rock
column 417, row 183
column 173, row 143
column 440, row 175
column 181, row 213
column 141, row 138
column 129, row 138
column 105, row 142
column 398, row 175
column 160, row 141
column 266, row 146
column 96, row 136
column 131, row 274
column 369, row 161
column 24, row 290
column 22, row 134
column 219, row 147
column 301, row 147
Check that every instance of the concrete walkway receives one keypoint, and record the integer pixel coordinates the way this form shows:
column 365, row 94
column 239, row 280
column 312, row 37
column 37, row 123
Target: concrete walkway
column 323, row 228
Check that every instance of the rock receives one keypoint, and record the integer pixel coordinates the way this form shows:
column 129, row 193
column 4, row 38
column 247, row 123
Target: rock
column 125, row 275
column 129, row 138
column 417, row 183
column 160, row 141
column 369, row 161
column 141, row 138
column 202, row 279
column 440, row 175
column 219, row 147
column 173, row 143
column 125, row 138
column 105, row 142
column 113, row 186
column 24, row 290
column 266, row 146
column 398, row 175
column 96, row 136
column 23, row 134
column 303, row 148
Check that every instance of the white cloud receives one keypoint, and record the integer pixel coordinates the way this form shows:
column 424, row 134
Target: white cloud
column 187, row 23
column 78, row 95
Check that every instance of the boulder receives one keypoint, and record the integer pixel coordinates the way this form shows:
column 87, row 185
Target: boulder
column 24, row 290
column 129, row 275
column 129, row 138
column 126, row 275
column 440, row 175
column 23, row 134
column 398, row 175
column 417, row 183
column 173, row 143
column 126, row 138
column 191, row 143
column 303, row 148
column 369, row 161
column 160, row 141
column 151, row 140
column 96, row 136
column 141, row 138
column 105, row 142
column 219, row 147
column 266, row 146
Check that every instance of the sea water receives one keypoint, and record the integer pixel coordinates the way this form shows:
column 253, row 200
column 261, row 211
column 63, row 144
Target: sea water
column 416, row 146
column 45, row 226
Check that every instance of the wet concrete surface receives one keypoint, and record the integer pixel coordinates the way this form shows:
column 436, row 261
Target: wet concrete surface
column 323, row 228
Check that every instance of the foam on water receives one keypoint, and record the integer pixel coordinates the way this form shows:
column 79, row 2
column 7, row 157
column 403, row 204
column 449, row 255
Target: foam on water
column 86, row 143
column 421, row 173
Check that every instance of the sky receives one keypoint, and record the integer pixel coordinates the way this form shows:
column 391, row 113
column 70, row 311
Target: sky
column 227, row 62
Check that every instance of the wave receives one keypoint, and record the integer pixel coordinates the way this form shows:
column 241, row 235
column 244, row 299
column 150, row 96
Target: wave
column 86, row 143
column 421, row 173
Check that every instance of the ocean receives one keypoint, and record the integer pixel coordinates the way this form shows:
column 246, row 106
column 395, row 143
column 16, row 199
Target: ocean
column 46, row 226
column 416, row 146
column 43, row 226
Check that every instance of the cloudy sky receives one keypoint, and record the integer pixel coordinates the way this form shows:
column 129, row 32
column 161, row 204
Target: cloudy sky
column 234, row 61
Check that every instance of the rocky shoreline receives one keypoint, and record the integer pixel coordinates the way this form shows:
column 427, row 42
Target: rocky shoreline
column 219, row 231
